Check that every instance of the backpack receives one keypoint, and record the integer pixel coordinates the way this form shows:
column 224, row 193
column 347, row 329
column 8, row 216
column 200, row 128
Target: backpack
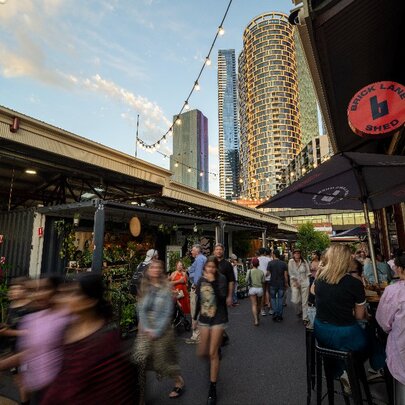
column 137, row 277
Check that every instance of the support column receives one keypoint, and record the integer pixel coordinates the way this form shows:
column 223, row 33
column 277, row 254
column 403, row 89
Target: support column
column 399, row 217
column 220, row 233
column 98, row 230
column 264, row 237
column 37, row 245
column 384, row 232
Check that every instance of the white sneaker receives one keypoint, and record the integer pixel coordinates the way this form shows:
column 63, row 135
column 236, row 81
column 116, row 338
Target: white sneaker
column 344, row 379
column 263, row 313
column 271, row 312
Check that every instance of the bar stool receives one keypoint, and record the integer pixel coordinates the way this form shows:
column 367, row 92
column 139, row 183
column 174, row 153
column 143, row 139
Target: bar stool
column 355, row 371
column 310, row 361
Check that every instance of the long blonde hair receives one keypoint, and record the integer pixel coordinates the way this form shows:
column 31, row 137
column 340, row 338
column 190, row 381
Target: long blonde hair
column 335, row 264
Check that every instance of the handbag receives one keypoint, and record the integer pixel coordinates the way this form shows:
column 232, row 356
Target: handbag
column 180, row 294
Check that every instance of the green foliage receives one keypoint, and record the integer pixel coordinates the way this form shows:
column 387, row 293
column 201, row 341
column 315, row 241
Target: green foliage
column 68, row 238
column 174, row 257
column 308, row 239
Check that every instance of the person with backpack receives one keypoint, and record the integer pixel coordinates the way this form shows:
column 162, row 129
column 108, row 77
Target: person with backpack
column 151, row 254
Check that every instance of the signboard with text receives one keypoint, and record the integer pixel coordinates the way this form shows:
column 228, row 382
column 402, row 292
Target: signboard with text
column 377, row 110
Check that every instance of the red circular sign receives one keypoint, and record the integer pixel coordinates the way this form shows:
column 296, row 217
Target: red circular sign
column 377, row 109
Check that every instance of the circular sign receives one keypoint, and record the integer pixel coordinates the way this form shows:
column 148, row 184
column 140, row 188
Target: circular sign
column 377, row 109
column 135, row 226
column 330, row 195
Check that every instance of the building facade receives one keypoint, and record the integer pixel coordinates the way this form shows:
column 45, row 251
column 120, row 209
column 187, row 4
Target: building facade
column 228, row 141
column 189, row 161
column 316, row 151
column 308, row 104
column 268, row 104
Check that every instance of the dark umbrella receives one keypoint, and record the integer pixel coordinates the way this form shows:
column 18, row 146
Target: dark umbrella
column 360, row 231
column 348, row 181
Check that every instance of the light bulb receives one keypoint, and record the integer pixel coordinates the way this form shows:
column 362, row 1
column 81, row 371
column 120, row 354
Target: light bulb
column 186, row 105
column 207, row 61
column 221, row 31
column 158, row 145
column 196, row 86
column 189, row 169
column 164, row 140
column 153, row 149
column 267, row 179
column 201, row 174
column 178, row 121
column 241, row 181
column 176, row 165
column 170, row 132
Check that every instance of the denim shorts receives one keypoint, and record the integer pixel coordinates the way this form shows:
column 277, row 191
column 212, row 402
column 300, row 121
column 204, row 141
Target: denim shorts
column 256, row 291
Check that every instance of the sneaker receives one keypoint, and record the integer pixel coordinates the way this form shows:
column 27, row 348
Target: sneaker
column 271, row 312
column 263, row 313
column 192, row 341
column 344, row 379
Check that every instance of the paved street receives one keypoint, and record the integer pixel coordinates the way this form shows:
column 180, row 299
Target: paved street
column 261, row 365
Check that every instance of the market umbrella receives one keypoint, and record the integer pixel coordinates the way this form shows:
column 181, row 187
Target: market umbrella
column 348, row 181
column 360, row 231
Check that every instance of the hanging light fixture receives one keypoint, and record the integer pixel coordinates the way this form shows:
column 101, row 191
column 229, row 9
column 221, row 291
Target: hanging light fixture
column 221, row 30
column 197, row 86
column 207, row 61
column 186, row 105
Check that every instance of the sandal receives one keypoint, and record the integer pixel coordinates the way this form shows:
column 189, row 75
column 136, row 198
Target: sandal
column 177, row 390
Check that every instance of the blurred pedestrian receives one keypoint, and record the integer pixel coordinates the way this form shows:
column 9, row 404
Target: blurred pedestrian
column 234, row 261
column 383, row 271
column 298, row 270
column 212, row 314
column 179, row 281
column 155, row 346
column 136, row 280
column 39, row 348
column 195, row 272
column 225, row 268
column 95, row 369
column 255, row 282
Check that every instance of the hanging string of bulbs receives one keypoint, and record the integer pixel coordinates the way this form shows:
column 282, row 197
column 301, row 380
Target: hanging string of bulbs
column 152, row 147
column 189, row 168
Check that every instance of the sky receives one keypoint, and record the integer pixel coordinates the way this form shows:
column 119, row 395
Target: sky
column 91, row 66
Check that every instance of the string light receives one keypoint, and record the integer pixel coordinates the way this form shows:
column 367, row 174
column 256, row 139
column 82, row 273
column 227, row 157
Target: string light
column 176, row 165
column 196, row 86
column 201, row 174
column 189, row 169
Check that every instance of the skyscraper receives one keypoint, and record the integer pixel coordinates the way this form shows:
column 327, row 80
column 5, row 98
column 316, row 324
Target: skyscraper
column 307, row 96
column 268, row 104
column 189, row 162
column 228, row 125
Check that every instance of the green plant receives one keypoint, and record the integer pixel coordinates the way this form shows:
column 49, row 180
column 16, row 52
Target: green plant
column 174, row 257
column 309, row 239
column 68, row 239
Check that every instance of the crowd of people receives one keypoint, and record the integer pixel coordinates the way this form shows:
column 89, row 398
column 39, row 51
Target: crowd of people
column 65, row 348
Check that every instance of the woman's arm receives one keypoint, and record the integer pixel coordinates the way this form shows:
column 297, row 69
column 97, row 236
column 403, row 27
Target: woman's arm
column 360, row 311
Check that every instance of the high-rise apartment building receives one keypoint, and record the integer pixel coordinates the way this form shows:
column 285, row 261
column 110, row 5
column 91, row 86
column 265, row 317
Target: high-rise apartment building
column 316, row 151
column 228, row 141
column 308, row 104
column 268, row 104
column 189, row 161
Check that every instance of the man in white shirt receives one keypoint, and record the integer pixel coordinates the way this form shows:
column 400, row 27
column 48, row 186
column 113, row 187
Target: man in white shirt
column 263, row 255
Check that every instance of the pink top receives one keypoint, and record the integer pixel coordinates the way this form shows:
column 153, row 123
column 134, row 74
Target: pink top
column 391, row 317
column 42, row 347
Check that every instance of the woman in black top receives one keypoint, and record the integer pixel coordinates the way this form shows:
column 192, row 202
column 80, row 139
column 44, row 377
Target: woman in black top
column 212, row 314
column 340, row 302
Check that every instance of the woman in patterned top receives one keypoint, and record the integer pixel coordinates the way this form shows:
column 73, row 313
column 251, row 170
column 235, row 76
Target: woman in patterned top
column 212, row 314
